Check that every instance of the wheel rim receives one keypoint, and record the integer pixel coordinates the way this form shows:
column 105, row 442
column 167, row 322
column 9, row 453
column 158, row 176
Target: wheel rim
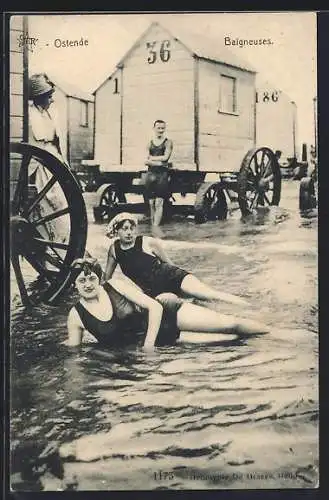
column 110, row 200
column 210, row 203
column 48, row 223
column 259, row 182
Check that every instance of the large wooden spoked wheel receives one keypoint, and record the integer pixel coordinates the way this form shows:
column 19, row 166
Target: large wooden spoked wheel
column 48, row 223
column 259, row 180
column 108, row 197
column 210, row 203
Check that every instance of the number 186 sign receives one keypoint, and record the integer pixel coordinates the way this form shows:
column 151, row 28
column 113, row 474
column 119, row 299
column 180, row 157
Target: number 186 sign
column 267, row 96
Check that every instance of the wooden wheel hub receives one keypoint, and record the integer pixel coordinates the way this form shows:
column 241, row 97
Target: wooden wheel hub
column 263, row 184
column 19, row 227
column 259, row 180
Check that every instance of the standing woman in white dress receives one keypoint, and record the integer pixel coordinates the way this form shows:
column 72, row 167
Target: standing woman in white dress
column 45, row 132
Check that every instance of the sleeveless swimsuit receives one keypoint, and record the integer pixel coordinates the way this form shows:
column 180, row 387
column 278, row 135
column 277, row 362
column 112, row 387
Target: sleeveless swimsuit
column 148, row 272
column 128, row 326
column 157, row 177
column 158, row 150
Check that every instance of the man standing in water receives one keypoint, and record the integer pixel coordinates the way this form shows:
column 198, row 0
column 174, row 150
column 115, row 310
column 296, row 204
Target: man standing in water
column 159, row 151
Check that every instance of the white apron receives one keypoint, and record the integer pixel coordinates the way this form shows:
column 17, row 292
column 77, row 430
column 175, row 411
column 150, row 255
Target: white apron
column 44, row 132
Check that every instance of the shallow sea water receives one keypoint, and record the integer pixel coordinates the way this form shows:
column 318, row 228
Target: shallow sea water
column 235, row 414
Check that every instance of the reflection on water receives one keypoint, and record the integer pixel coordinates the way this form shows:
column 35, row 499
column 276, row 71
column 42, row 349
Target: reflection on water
column 239, row 414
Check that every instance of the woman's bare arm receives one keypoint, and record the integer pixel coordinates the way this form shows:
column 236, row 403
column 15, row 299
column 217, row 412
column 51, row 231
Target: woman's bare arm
column 158, row 250
column 111, row 264
column 142, row 300
column 74, row 328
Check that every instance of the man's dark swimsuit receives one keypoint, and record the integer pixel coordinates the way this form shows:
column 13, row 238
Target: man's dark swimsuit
column 127, row 325
column 157, row 178
column 148, row 272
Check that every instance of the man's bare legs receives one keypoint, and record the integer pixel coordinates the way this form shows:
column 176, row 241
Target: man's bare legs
column 152, row 210
column 156, row 213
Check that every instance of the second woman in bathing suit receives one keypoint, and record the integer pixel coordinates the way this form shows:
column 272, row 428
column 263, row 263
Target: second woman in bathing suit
column 144, row 261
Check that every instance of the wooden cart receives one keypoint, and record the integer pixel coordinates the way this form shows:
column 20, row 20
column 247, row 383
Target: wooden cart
column 258, row 182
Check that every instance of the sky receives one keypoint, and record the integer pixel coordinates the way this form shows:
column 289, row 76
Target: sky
column 289, row 64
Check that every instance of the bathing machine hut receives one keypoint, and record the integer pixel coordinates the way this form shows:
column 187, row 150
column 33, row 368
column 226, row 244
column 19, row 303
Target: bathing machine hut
column 207, row 96
column 76, row 116
column 204, row 93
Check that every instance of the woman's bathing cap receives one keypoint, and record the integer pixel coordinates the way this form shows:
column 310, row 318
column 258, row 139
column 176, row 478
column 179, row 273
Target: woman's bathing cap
column 118, row 221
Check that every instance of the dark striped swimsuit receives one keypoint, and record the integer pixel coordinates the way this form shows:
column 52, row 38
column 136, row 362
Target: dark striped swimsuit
column 158, row 150
column 127, row 325
column 157, row 184
column 148, row 272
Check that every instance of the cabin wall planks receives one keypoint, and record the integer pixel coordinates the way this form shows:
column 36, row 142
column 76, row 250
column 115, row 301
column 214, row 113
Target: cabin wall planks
column 80, row 132
column 16, row 108
column 17, row 88
column 275, row 120
column 107, row 124
column 224, row 138
column 158, row 84
column 78, row 137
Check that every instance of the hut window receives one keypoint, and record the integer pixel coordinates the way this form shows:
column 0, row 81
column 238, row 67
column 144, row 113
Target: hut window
column 84, row 113
column 228, row 99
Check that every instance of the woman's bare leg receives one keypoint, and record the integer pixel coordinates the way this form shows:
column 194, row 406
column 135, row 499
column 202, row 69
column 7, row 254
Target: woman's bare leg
column 193, row 318
column 192, row 286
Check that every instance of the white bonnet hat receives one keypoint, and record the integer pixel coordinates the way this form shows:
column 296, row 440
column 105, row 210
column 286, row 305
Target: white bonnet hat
column 40, row 84
column 112, row 227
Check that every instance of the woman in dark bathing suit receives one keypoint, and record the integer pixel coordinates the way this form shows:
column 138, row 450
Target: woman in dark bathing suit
column 115, row 312
column 143, row 260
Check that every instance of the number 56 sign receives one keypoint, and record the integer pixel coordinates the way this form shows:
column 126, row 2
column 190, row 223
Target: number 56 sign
column 267, row 96
column 158, row 51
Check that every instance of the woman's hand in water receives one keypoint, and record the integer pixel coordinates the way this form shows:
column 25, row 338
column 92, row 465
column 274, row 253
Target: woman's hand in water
column 238, row 301
column 233, row 299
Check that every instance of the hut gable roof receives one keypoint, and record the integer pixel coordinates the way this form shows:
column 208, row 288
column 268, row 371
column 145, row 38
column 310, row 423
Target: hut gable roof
column 198, row 45
column 205, row 47
column 71, row 90
column 113, row 72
